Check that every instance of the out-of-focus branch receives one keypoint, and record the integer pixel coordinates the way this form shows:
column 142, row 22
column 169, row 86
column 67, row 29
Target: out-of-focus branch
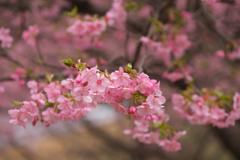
column 140, row 67
column 38, row 76
column 211, row 24
column 112, row 142
column 5, row 55
column 148, row 31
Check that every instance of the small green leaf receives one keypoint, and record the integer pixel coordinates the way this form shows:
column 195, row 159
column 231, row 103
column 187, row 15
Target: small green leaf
column 130, row 6
column 48, row 104
column 16, row 103
column 49, row 77
column 128, row 116
column 67, row 62
column 72, row 13
column 67, row 95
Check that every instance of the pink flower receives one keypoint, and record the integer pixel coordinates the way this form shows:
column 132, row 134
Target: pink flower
column 20, row 117
column 220, row 54
column 30, row 35
column 50, row 116
column 174, row 76
column 186, row 15
column 82, row 94
column 87, row 28
column 64, row 104
column 33, row 86
column 170, row 146
column 118, row 107
column 101, row 84
column 145, row 11
column 144, row 84
column 53, row 92
column 39, row 97
column 2, row 90
column 132, row 110
column 68, row 83
column 5, row 38
column 120, row 78
column 155, row 103
column 31, row 107
column 116, row 16
column 18, row 75
column 81, row 112
column 89, row 76
column 181, row 45
column 65, row 116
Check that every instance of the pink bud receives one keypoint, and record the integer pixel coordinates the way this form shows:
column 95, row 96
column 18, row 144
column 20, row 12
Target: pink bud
column 47, row 124
column 132, row 110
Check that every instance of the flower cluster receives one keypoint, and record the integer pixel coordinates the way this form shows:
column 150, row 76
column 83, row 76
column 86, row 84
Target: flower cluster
column 74, row 98
column 30, row 35
column 116, row 16
column 208, row 109
column 163, row 50
column 5, row 39
column 88, row 29
column 91, row 27
column 18, row 76
column 178, row 74
column 234, row 55
column 162, row 130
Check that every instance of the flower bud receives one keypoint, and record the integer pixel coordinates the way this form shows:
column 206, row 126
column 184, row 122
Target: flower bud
column 132, row 110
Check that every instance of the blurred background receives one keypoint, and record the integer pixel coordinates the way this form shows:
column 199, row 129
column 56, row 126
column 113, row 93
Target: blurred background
column 100, row 135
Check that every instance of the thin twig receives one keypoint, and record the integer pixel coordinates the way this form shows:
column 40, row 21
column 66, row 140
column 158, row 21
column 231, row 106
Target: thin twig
column 140, row 67
column 125, row 31
column 212, row 25
column 38, row 76
column 40, row 54
column 148, row 31
column 5, row 55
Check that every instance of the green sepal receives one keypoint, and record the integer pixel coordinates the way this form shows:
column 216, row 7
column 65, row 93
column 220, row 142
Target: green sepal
column 67, row 62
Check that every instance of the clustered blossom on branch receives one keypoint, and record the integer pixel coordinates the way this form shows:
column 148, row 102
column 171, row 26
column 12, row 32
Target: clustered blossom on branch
column 231, row 51
column 142, row 133
column 163, row 50
column 18, row 76
column 5, row 38
column 74, row 98
column 30, row 35
column 88, row 27
column 210, row 108
column 116, row 16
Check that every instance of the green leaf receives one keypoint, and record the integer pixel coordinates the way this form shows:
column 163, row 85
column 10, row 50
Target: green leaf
column 48, row 104
column 81, row 65
column 72, row 13
column 49, row 77
column 130, row 6
column 67, row 62
column 128, row 116
column 16, row 103
column 157, row 23
column 67, row 95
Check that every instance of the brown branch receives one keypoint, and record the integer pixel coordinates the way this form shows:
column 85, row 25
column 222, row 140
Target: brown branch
column 5, row 55
column 148, row 31
column 39, row 76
